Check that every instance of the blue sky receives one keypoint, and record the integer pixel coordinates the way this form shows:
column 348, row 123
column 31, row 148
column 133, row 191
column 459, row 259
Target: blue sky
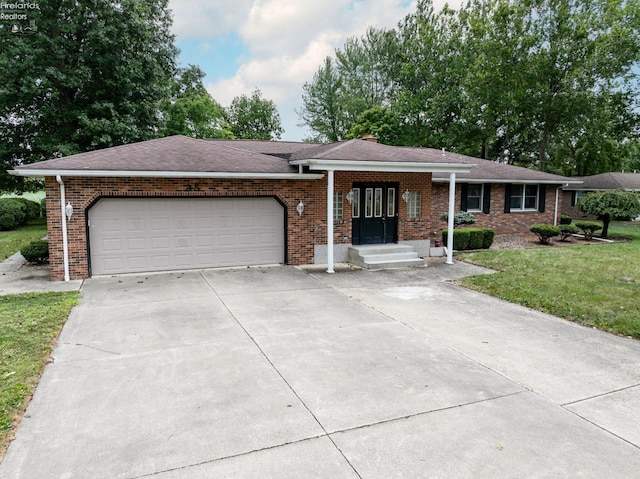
column 273, row 45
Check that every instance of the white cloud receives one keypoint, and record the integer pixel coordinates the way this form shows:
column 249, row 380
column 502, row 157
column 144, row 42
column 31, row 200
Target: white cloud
column 287, row 41
column 207, row 18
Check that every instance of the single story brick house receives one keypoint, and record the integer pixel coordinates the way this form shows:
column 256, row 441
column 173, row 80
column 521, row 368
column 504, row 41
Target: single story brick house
column 180, row 203
column 588, row 184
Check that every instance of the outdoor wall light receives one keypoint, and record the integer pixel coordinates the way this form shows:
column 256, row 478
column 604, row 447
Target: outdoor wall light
column 405, row 196
column 350, row 197
column 300, row 208
column 68, row 210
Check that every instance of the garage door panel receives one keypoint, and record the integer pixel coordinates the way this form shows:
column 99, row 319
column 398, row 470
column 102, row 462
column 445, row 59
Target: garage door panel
column 150, row 234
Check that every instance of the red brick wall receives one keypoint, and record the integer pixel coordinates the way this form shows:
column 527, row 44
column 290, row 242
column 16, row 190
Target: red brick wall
column 302, row 232
column 503, row 223
column 572, row 211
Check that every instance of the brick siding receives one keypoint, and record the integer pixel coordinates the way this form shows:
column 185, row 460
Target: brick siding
column 503, row 223
column 303, row 232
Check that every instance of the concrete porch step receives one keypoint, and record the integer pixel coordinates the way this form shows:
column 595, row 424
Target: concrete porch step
column 384, row 256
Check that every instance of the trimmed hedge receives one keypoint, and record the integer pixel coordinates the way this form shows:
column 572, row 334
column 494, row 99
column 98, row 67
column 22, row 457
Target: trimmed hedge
column 565, row 219
column 470, row 238
column 36, row 252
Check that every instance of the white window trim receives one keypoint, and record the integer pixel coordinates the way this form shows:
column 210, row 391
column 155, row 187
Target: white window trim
column 479, row 209
column 338, row 206
column 523, row 198
column 414, row 206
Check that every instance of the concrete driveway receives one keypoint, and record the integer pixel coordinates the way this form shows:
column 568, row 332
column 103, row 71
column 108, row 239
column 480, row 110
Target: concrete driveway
column 282, row 373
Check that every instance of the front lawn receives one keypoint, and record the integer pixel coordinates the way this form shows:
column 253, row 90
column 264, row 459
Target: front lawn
column 12, row 241
column 29, row 325
column 595, row 285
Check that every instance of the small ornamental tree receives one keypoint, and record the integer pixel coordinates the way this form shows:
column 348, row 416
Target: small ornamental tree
column 610, row 205
column 545, row 232
column 588, row 228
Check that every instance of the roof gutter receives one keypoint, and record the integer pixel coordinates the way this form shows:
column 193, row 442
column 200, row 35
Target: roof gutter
column 389, row 166
column 166, row 174
column 494, row 180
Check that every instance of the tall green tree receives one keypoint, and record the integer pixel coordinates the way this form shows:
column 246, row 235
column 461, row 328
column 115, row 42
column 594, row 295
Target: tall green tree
column 344, row 88
column 547, row 84
column 254, row 118
column 191, row 111
column 92, row 76
column 323, row 106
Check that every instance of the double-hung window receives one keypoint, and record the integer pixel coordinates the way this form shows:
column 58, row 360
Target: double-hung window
column 524, row 198
column 338, row 206
column 414, row 204
column 474, row 197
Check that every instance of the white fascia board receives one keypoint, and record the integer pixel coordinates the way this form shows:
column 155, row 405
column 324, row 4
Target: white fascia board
column 168, row 174
column 489, row 180
column 389, row 166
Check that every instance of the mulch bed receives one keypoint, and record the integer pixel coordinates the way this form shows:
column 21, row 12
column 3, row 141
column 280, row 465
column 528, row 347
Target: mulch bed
column 531, row 241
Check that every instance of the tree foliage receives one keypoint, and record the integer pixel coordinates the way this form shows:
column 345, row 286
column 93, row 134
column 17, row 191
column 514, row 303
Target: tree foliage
column 191, row 111
column 254, row 118
column 90, row 77
column 610, row 205
column 547, row 84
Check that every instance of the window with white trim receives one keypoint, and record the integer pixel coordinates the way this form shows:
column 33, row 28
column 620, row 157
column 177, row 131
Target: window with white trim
column 338, row 209
column 475, row 197
column 414, row 201
column 524, row 198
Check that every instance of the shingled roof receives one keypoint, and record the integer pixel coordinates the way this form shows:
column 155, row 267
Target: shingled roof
column 608, row 181
column 170, row 154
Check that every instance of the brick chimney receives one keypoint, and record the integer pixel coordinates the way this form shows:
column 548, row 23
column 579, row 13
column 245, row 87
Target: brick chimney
column 370, row 138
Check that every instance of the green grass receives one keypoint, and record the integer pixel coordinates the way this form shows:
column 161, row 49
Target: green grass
column 595, row 285
column 29, row 325
column 12, row 241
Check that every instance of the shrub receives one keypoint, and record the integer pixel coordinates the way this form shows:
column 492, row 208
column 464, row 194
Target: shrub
column 487, row 239
column 545, row 232
column 460, row 239
column 460, row 218
column 36, row 252
column 470, row 238
column 32, row 209
column 565, row 219
column 12, row 213
column 476, row 235
column 567, row 230
column 588, row 228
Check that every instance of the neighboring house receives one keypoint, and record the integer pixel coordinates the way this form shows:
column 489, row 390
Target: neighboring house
column 604, row 181
column 180, row 203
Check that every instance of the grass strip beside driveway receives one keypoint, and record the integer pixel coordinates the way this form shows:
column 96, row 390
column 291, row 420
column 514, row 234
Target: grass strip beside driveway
column 14, row 240
column 595, row 285
column 29, row 326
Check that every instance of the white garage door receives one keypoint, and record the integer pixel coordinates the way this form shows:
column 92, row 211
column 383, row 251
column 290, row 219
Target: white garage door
column 161, row 234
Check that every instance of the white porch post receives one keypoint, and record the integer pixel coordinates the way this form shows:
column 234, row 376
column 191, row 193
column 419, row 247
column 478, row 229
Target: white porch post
column 452, row 201
column 330, row 221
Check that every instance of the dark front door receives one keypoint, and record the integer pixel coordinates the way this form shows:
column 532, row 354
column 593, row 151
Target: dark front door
column 375, row 216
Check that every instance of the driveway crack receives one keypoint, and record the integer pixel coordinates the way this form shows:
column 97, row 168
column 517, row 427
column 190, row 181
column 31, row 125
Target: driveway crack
column 295, row 393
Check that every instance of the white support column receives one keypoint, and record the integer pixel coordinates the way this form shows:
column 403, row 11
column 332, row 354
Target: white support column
column 452, row 201
column 330, row 222
column 65, row 240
